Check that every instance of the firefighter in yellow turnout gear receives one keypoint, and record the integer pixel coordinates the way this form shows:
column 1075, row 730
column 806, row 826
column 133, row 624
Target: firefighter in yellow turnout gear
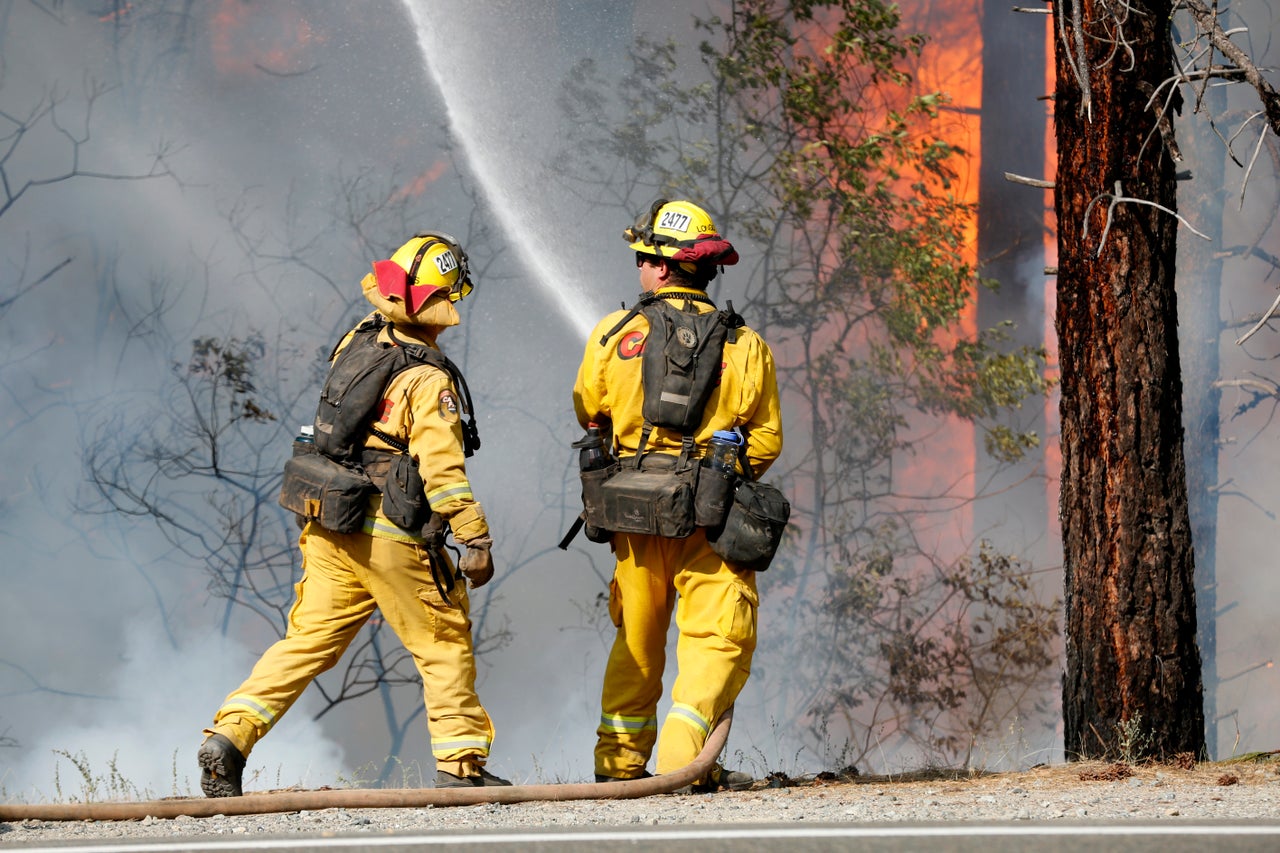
column 677, row 252
column 347, row 575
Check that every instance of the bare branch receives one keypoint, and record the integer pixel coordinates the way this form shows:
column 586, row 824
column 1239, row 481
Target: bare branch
column 1266, row 315
column 1249, row 169
column 1076, row 57
column 20, row 291
column 1117, row 198
column 1031, row 182
column 1207, row 20
column 1261, row 387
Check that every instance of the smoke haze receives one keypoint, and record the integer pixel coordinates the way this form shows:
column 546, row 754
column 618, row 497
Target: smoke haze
column 280, row 119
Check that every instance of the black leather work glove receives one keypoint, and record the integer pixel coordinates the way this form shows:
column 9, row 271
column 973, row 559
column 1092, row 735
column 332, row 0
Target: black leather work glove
column 477, row 564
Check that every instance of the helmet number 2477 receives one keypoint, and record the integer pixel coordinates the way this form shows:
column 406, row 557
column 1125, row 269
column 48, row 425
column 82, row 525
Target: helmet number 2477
column 673, row 220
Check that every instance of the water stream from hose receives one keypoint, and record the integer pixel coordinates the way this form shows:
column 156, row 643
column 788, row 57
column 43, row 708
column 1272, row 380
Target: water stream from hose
column 497, row 117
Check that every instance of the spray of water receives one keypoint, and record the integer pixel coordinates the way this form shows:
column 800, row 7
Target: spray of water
column 479, row 79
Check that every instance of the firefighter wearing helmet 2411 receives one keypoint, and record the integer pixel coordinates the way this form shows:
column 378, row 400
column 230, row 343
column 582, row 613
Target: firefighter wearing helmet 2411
column 657, row 426
column 404, row 434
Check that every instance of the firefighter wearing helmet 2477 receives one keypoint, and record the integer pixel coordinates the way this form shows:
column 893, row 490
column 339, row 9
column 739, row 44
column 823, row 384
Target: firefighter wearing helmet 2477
column 413, row 420
column 677, row 252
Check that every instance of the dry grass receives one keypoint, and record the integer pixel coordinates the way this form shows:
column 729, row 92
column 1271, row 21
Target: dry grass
column 1254, row 769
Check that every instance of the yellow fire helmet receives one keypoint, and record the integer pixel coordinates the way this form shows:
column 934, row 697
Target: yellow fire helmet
column 681, row 231
column 432, row 262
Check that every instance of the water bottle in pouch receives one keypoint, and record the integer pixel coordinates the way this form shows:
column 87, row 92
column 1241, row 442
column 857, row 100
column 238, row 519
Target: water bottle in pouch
column 717, row 479
column 305, row 442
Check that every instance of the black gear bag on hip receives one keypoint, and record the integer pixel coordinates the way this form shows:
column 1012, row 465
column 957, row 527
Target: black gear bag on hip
column 330, row 493
column 652, row 494
column 753, row 528
column 332, row 483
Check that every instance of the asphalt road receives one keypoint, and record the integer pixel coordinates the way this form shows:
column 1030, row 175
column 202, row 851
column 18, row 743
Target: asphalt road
column 1021, row 837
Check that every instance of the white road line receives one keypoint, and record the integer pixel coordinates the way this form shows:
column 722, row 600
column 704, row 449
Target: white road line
column 631, row 835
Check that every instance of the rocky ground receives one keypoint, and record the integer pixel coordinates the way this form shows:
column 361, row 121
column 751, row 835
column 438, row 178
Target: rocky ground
column 1089, row 791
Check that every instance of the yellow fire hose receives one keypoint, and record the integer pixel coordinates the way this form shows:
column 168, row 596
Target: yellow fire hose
column 377, row 798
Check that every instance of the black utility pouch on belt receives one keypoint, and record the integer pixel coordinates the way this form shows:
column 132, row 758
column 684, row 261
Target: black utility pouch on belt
column 404, row 499
column 593, row 483
column 654, row 499
column 329, row 493
column 753, row 528
column 714, row 495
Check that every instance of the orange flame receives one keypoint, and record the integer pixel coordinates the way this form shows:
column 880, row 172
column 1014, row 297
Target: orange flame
column 419, row 183
column 248, row 37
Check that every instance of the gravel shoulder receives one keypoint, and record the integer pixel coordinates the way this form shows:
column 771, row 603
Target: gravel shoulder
column 1084, row 791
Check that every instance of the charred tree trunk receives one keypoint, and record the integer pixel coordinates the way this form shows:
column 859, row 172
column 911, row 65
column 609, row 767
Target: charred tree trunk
column 1132, row 683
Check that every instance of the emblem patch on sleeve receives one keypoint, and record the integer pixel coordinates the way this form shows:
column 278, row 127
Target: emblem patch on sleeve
column 448, row 406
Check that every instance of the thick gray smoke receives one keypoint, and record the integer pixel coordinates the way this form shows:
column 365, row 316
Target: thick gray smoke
column 277, row 117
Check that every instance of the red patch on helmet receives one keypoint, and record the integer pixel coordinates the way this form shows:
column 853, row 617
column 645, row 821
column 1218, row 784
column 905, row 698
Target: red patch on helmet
column 393, row 283
column 631, row 345
column 448, row 406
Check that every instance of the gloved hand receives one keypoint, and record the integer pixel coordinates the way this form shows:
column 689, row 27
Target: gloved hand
column 477, row 564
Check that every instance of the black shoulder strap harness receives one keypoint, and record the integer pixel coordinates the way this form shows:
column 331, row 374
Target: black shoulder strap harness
column 681, row 360
column 357, row 381
column 679, row 368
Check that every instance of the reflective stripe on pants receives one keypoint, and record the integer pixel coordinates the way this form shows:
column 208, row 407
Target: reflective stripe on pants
column 716, row 617
column 345, row 577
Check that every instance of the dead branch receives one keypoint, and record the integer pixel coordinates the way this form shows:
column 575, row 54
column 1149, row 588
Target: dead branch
column 1248, row 251
column 1207, row 20
column 1172, row 101
column 1266, row 315
column 1076, row 59
column 1031, row 182
column 1117, row 198
column 1256, row 150
column 1257, row 386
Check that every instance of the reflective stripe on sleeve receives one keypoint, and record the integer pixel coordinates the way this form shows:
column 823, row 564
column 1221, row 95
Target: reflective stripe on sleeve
column 620, row 724
column 447, row 494
column 690, row 715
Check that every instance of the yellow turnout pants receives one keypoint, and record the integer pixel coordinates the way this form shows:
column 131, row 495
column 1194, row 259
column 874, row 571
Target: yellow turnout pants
column 345, row 576
column 716, row 617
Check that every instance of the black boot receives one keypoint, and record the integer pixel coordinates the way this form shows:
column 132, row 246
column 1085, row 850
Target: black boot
column 221, row 766
column 485, row 779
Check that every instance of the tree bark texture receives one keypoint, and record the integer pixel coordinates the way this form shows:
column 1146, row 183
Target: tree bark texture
column 1132, row 683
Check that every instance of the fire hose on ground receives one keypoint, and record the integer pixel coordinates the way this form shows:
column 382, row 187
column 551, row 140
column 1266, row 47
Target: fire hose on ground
column 380, row 798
